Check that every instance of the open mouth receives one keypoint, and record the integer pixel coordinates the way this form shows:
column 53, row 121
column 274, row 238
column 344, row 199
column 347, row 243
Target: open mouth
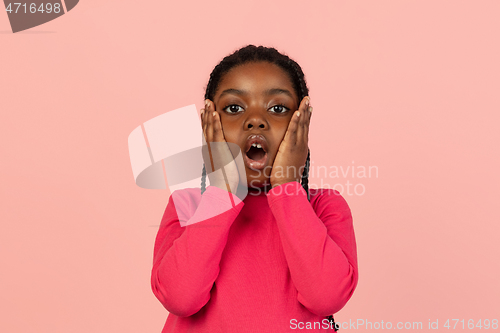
column 256, row 153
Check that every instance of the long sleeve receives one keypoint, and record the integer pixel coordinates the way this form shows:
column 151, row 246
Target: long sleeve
column 189, row 246
column 319, row 245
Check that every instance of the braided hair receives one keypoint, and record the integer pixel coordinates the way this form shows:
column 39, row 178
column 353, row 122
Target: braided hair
column 252, row 53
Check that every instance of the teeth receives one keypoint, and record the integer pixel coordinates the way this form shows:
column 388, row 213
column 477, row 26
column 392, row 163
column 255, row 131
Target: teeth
column 254, row 145
column 259, row 146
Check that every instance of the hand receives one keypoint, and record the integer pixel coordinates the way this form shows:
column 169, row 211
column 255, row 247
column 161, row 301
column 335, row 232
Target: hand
column 217, row 154
column 291, row 158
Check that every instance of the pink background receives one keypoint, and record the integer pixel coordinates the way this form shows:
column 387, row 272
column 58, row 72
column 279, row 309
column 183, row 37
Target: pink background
column 411, row 87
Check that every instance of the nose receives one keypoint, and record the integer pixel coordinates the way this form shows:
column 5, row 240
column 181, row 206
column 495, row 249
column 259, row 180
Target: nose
column 256, row 119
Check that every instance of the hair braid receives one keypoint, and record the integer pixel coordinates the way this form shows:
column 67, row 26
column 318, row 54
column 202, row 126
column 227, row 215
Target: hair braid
column 305, row 176
column 332, row 322
column 203, row 179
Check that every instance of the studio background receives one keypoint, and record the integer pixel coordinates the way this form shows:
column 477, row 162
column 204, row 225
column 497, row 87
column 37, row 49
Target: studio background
column 410, row 87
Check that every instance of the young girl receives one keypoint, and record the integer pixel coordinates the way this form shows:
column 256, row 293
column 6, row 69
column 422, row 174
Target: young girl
column 284, row 257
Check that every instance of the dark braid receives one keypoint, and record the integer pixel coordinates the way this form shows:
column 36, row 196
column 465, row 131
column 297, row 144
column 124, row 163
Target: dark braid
column 332, row 322
column 203, row 179
column 252, row 53
column 305, row 176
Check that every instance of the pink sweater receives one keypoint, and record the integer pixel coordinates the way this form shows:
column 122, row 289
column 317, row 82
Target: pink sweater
column 264, row 264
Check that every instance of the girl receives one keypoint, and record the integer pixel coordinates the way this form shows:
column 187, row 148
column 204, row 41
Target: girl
column 283, row 257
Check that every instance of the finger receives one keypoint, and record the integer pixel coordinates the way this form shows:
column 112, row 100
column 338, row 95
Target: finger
column 291, row 132
column 210, row 121
column 307, row 121
column 209, row 133
column 303, row 140
column 206, row 113
column 307, row 124
column 205, row 122
column 309, row 110
column 213, row 120
column 305, row 110
column 202, row 111
column 203, row 116
column 206, row 148
column 218, row 132
column 304, row 115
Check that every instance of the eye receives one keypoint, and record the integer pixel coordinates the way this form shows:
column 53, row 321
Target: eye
column 233, row 108
column 280, row 108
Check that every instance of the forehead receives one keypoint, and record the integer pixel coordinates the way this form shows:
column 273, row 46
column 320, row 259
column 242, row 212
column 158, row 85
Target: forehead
column 255, row 76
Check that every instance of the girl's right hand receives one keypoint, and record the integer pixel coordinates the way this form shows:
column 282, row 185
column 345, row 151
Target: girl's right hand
column 217, row 154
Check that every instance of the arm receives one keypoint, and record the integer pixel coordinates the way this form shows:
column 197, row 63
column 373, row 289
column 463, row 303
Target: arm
column 186, row 259
column 320, row 247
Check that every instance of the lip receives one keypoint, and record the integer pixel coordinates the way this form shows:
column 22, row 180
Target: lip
column 260, row 164
column 256, row 138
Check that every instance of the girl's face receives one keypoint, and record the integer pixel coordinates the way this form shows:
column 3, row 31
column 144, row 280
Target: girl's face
column 256, row 98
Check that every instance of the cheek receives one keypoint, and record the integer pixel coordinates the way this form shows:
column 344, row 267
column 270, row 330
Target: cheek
column 225, row 125
column 229, row 130
column 280, row 132
column 278, row 136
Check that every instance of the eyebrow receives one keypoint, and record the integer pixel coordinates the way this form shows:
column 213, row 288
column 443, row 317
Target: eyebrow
column 268, row 92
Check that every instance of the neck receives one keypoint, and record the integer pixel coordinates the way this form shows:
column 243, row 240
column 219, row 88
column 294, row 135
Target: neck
column 263, row 189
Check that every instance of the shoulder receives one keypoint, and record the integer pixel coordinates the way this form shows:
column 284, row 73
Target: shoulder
column 329, row 201
column 191, row 195
column 179, row 207
column 181, row 204
column 328, row 195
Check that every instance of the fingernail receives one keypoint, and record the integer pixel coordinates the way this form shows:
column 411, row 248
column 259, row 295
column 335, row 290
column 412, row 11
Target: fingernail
column 308, row 100
column 213, row 114
column 298, row 114
column 207, row 102
column 202, row 110
column 310, row 109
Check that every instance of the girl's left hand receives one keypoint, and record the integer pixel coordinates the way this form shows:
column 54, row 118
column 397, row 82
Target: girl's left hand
column 291, row 158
